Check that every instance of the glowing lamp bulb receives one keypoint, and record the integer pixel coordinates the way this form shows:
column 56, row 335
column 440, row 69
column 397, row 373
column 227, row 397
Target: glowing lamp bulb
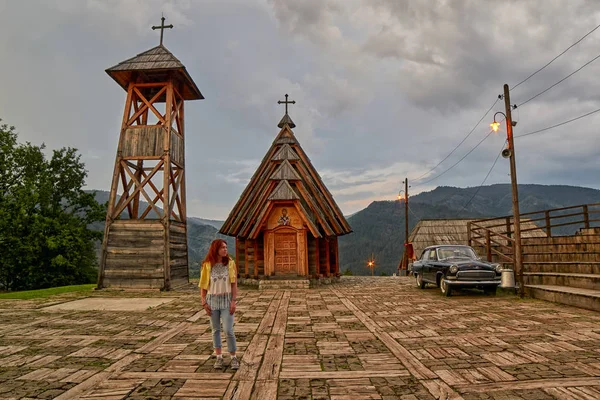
column 495, row 126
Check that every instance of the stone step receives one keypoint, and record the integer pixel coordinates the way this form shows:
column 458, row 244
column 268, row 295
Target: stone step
column 584, row 298
column 581, row 281
column 563, row 267
column 561, row 256
column 283, row 284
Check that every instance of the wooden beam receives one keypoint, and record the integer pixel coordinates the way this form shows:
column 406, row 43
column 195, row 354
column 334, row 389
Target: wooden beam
column 150, row 104
column 166, row 186
column 141, row 110
column 126, row 191
column 139, row 186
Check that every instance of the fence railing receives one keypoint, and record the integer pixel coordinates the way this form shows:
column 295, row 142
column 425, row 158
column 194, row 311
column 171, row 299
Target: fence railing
column 496, row 234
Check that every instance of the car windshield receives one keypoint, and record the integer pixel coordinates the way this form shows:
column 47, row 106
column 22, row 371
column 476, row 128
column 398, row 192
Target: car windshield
column 456, row 252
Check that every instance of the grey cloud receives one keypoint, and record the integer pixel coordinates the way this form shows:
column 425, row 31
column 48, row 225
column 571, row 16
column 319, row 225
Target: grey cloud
column 384, row 89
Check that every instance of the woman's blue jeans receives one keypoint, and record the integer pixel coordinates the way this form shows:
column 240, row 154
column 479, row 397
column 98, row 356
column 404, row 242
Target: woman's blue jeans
column 215, row 324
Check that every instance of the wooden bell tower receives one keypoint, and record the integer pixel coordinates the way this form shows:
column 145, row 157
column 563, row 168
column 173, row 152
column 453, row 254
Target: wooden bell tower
column 145, row 237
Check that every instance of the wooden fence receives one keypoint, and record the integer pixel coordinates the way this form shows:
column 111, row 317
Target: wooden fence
column 496, row 234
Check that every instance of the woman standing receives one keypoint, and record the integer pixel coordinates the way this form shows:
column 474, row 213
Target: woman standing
column 218, row 289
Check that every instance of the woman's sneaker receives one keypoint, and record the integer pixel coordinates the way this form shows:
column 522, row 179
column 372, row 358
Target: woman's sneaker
column 235, row 363
column 219, row 363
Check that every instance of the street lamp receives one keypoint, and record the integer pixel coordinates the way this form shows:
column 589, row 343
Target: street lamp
column 510, row 154
column 371, row 264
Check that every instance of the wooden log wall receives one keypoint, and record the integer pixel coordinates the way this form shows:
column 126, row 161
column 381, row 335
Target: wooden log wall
column 260, row 254
column 312, row 255
column 334, row 257
column 143, row 141
column 135, row 254
column 323, row 257
column 249, row 249
column 177, row 149
column 178, row 254
column 240, row 250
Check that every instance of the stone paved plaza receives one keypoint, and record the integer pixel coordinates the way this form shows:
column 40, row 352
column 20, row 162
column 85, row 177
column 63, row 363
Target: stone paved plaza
column 362, row 338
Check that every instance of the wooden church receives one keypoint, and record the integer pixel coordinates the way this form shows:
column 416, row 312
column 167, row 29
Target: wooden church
column 145, row 236
column 286, row 222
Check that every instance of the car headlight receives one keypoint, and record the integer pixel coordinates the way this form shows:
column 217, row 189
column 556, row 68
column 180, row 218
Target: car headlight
column 453, row 269
column 498, row 268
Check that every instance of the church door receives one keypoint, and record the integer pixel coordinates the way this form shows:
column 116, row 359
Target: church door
column 286, row 254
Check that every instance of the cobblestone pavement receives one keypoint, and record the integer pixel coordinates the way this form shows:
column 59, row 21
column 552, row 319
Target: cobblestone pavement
column 362, row 338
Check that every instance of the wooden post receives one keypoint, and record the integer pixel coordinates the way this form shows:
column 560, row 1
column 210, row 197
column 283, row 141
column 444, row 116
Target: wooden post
column 515, row 191
column 336, row 255
column 167, row 186
column 468, row 234
column 488, row 244
column 548, row 225
column 586, row 217
column 328, row 258
column 405, row 256
column 318, row 261
column 508, row 230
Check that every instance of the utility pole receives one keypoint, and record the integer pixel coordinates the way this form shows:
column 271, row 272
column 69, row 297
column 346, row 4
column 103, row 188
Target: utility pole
column 406, row 225
column 515, row 193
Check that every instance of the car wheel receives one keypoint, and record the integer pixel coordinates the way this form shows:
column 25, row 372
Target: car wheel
column 445, row 288
column 419, row 280
column 491, row 290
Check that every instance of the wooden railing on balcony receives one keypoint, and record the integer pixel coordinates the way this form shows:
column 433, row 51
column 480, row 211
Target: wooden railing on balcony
column 496, row 234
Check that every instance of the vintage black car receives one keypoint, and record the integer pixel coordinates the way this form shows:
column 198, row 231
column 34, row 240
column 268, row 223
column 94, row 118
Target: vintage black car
column 455, row 266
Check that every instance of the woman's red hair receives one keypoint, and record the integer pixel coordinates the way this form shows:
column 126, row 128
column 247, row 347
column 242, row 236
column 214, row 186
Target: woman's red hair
column 213, row 253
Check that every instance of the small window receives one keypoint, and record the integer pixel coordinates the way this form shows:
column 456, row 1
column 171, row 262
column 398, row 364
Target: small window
column 425, row 255
column 432, row 255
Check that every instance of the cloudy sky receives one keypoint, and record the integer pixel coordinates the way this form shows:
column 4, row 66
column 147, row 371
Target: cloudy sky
column 385, row 89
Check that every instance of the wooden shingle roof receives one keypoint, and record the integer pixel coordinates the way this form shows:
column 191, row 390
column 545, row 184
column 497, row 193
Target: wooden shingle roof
column 286, row 174
column 155, row 64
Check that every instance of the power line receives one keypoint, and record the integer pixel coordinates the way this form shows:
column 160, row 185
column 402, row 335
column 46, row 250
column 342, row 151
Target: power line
column 483, row 182
column 562, row 80
column 455, row 164
column 462, row 141
column 555, row 58
column 413, row 213
column 557, row 125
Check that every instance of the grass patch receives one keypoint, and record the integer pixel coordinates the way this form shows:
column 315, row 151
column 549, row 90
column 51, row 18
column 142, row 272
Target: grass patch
column 43, row 293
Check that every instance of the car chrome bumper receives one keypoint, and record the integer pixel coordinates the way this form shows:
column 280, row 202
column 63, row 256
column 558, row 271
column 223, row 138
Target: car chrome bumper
column 472, row 283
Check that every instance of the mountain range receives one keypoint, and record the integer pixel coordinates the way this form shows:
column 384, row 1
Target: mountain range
column 378, row 230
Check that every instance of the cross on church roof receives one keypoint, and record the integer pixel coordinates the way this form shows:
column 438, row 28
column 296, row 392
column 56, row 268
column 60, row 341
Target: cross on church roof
column 162, row 28
column 286, row 102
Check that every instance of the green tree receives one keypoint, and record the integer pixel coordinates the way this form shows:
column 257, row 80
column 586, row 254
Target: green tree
column 44, row 217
